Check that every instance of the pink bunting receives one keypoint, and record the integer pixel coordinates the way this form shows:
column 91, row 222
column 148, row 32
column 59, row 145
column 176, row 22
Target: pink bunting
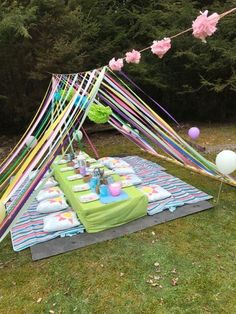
column 161, row 47
column 116, row 65
column 133, row 56
column 205, row 25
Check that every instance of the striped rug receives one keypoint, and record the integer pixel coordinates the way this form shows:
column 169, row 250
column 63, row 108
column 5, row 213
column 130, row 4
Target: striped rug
column 182, row 192
column 29, row 229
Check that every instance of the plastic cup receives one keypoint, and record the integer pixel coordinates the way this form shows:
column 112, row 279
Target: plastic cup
column 115, row 188
column 103, row 190
column 93, row 183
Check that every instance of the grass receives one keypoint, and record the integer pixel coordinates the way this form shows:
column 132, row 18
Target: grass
column 111, row 277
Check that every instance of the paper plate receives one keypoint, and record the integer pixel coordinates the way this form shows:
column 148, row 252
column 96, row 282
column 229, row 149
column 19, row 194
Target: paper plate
column 91, row 160
column 66, row 169
column 81, row 187
column 75, row 177
column 96, row 165
column 62, row 162
column 89, row 197
column 126, row 183
column 108, row 172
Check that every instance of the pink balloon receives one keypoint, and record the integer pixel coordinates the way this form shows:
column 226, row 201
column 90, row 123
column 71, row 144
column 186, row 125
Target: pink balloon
column 194, row 132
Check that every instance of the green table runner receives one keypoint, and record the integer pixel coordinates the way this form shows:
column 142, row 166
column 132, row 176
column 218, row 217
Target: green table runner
column 96, row 216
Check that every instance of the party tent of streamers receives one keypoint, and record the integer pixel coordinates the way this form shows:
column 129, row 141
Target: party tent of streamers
column 40, row 173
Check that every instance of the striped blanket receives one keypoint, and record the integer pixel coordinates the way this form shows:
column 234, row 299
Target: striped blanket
column 181, row 192
column 29, row 229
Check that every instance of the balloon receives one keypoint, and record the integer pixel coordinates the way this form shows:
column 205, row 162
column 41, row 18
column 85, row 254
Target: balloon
column 78, row 135
column 226, row 161
column 31, row 141
column 2, row 212
column 194, row 132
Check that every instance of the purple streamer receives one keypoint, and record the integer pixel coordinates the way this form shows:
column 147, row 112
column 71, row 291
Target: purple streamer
column 139, row 88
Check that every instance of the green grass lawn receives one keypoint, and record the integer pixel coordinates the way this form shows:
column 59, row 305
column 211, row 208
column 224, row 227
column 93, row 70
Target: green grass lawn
column 184, row 266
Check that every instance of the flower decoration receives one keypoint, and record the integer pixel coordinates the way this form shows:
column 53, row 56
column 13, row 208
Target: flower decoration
column 116, row 65
column 133, row 56
column 99, row 113
column 205, row 25
column 65, row 216
column 161, row 47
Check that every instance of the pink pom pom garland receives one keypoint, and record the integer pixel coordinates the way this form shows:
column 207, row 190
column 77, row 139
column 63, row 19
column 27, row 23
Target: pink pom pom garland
column 133, row 57
column 116, row 65
column 161, row 47
column 204, row 25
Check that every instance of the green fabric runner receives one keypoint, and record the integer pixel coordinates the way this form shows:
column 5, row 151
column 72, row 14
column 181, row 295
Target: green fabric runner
column 96, row 216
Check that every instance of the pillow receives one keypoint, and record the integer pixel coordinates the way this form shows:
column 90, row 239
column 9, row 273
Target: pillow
column 49, row 193
column 48, row 184
column 52, row 205
column 60, row 221
column 155, row 192
column 104, row 160
column 112, row 163
column 133, row 178
column 123, row 171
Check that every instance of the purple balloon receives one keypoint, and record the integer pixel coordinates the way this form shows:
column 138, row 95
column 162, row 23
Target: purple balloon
column 194, row 132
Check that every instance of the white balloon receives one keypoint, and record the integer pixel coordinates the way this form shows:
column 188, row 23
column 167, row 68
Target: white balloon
column 78, row 135
column 226, row 161
column 31, row 141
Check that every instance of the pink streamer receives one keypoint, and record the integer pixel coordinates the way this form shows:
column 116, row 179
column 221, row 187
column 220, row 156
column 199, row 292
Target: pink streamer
column 90, row 143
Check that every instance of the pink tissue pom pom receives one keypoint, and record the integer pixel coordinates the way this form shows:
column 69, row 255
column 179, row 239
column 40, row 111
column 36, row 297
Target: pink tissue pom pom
column 133, row 57
column 116, row 65
column 161, row 47
column 205, row 25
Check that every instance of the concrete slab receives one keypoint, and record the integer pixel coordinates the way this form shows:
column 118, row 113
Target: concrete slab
column 62, row 245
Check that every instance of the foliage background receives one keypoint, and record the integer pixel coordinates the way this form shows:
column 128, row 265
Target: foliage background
column 194, row 81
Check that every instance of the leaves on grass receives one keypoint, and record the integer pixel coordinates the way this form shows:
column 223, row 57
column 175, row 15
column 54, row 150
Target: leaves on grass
column 174, row 281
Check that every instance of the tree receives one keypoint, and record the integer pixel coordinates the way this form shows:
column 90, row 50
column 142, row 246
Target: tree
column 194, row 80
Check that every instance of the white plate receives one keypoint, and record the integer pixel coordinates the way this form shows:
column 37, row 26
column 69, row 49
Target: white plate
column 96, row 165
column 89, row 197
column 66, row 169
column 108, row 172
column 62, row 162
column 75, row 177
column 91, row 160
column 126, row 183
column 81, row 187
